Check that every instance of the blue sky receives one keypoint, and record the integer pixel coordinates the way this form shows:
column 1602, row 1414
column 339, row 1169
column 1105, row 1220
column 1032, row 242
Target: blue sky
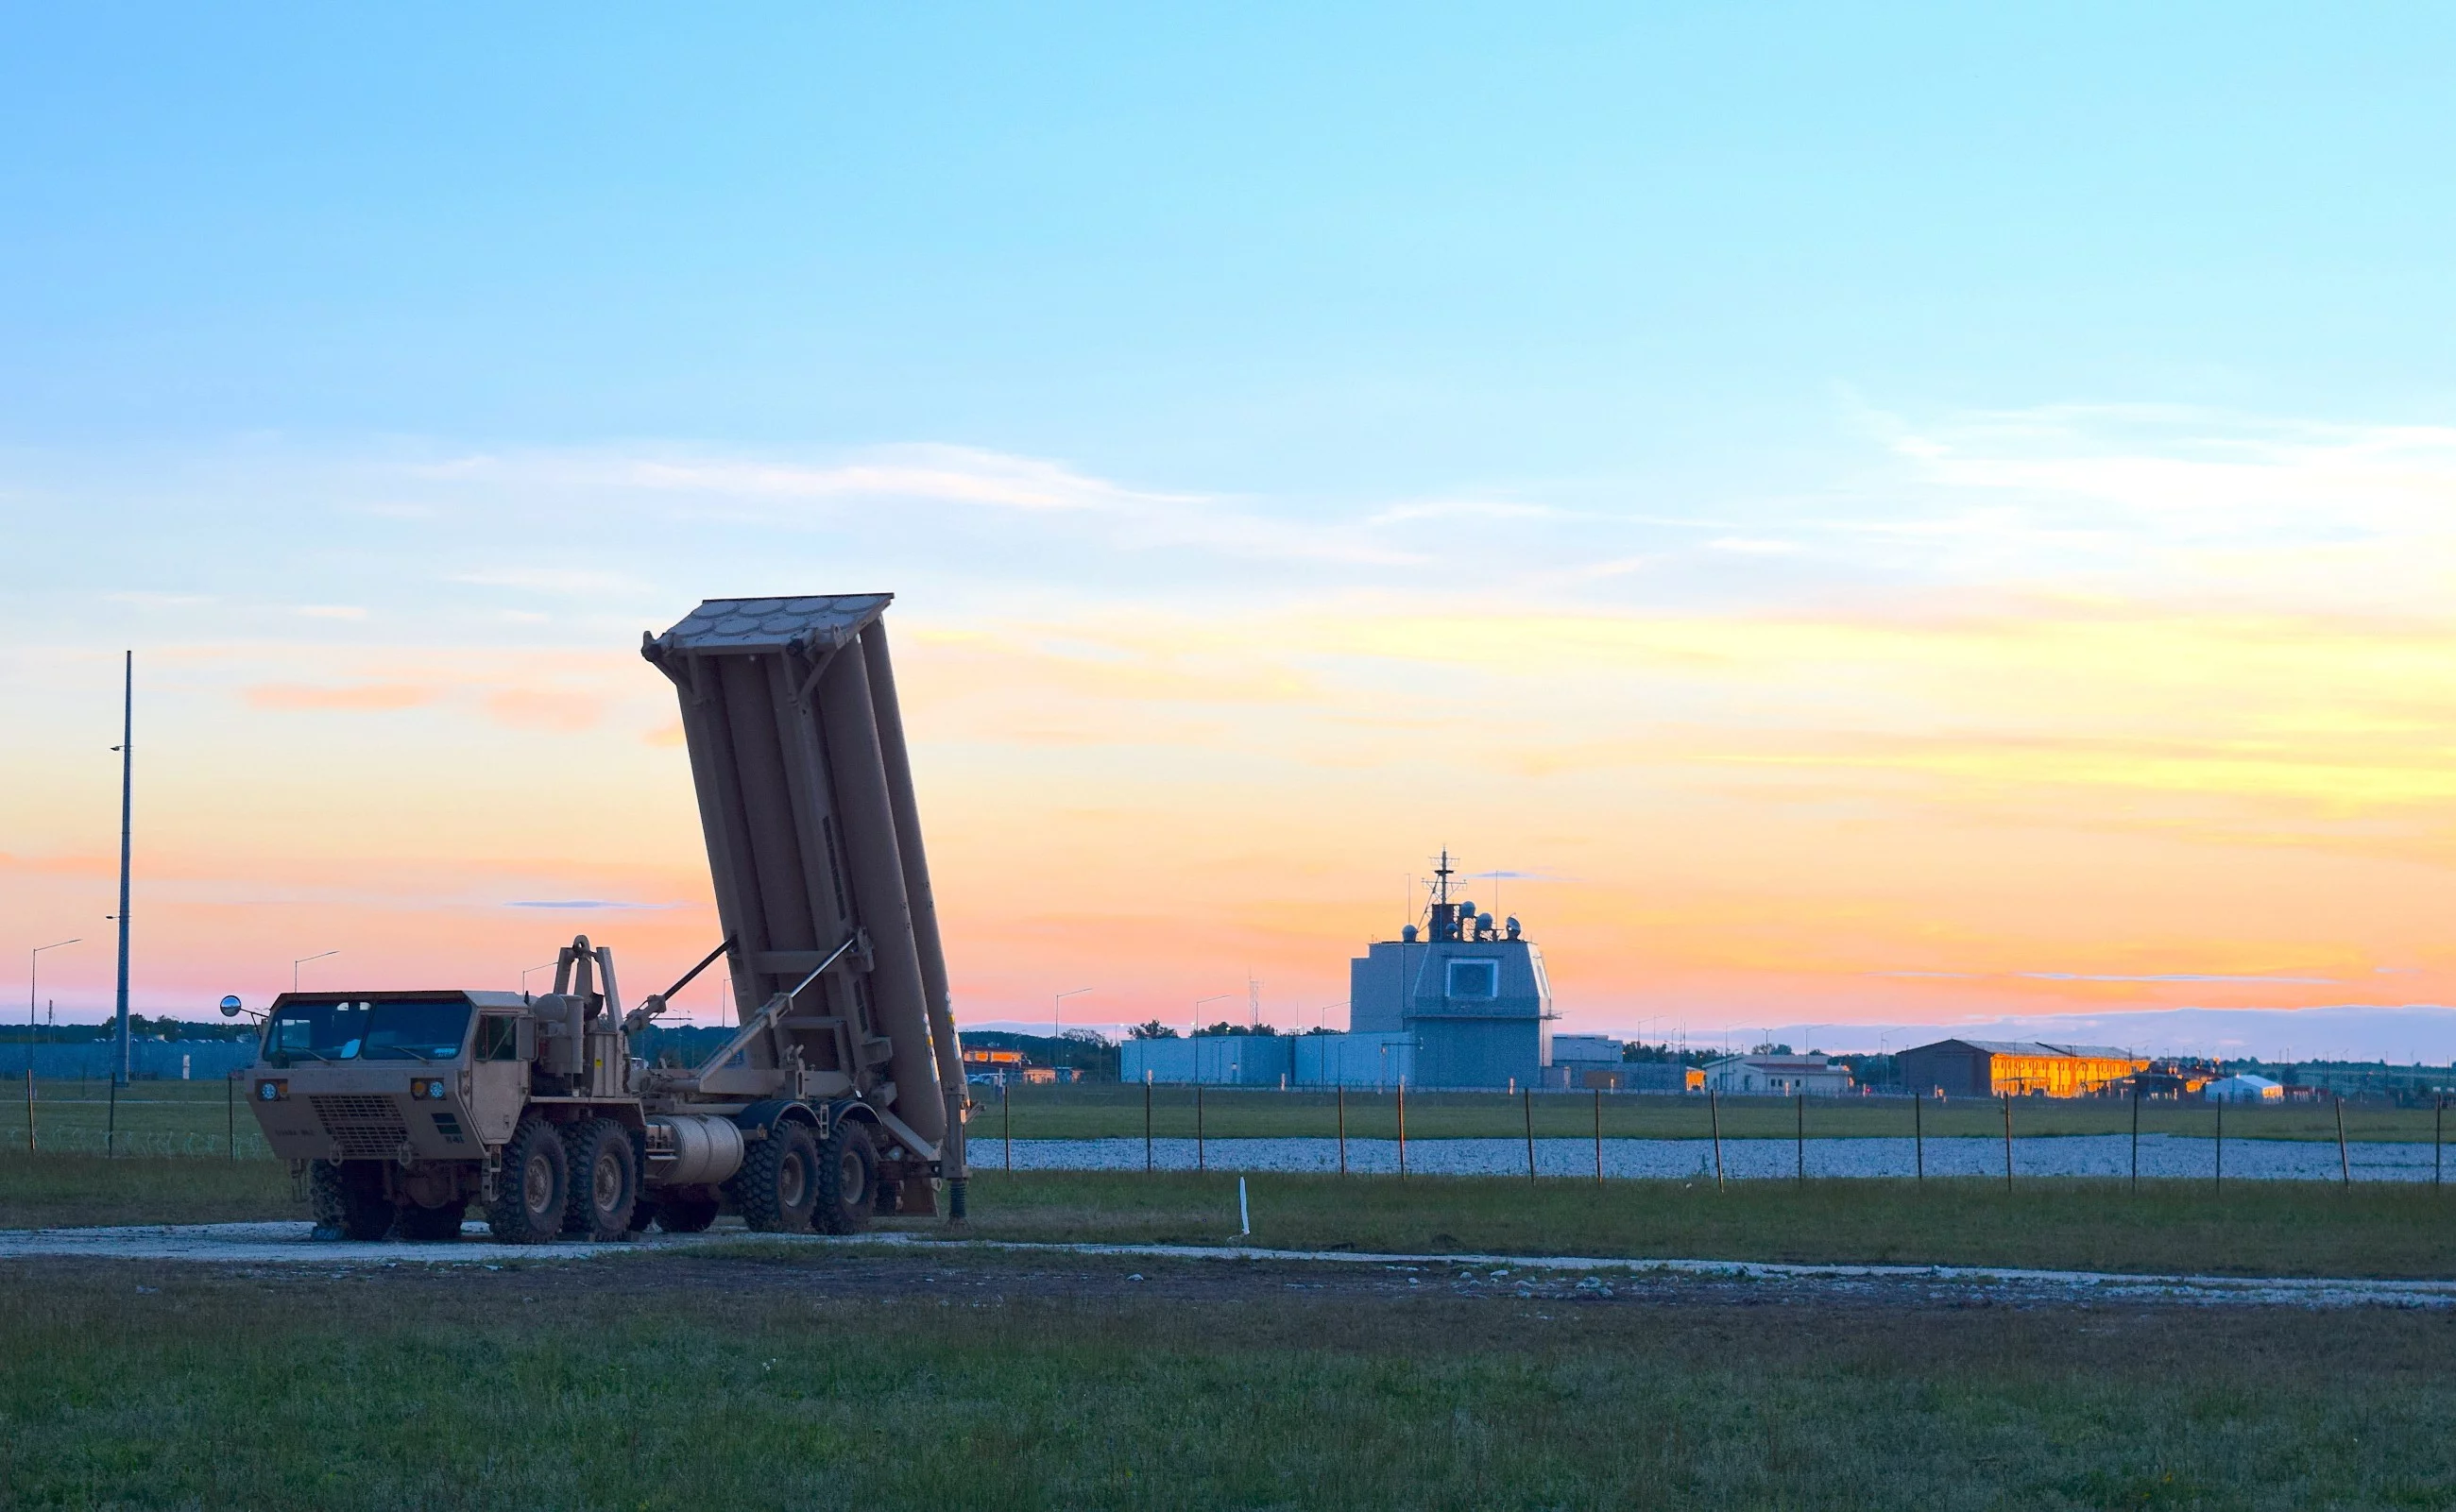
column 1228, row 390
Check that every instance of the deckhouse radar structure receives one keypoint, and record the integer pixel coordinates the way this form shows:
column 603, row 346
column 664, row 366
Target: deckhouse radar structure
column 814, row 844
column 1472, row 997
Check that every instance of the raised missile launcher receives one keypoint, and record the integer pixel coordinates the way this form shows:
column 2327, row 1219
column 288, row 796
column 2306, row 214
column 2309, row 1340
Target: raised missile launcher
column 840, row 1095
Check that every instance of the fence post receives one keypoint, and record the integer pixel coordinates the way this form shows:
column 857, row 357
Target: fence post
column 2438, row 1119
column 1342, row 1130
column 2135, row 1137
column 2008, row 1141
column 1799, row 1139
column 1714, row 1121
column 1402, row 1128
column 1526, row 1103
column 111, row 1128
column 30, row 1100
column 1005, row 1114
column 1599, row 1136
column 230, row 1111
column 1918, row 1135
column 1147, row 1137
column 1200, row 1161
column 2218, row 1183
column 2344, row 1166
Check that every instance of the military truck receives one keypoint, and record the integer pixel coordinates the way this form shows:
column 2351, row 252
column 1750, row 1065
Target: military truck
column 841, row 1094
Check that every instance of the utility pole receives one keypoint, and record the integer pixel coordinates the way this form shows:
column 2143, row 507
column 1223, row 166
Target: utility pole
column 127, row 810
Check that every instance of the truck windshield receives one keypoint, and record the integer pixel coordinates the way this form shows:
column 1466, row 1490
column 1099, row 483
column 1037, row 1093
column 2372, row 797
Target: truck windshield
column 345, row 1030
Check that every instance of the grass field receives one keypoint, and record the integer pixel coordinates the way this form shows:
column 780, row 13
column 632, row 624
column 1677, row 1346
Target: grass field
column 626, row 1385
column 2270, row 1228
column 199, row 1118
column 2276, row 1228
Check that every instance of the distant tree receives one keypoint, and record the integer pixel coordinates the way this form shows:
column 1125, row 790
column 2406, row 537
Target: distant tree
column 167, row 1027
column 1150, row 1028
column 1770, row 1048
column 1223, row 1026
column 1324, row 1030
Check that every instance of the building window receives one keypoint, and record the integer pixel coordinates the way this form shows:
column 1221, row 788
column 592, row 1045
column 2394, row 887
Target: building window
column 1475, row 979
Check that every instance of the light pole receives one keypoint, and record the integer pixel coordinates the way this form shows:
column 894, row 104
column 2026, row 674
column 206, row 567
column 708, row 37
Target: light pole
column 1216, row 997
column 33, row 964
column 304, row 960
column 1053, row 1033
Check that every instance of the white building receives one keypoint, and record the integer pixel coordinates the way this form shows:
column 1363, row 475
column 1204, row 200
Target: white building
column 1776, row 1076
column 2244, row 1088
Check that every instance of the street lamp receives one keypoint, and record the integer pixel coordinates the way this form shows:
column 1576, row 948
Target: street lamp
column 304, row 960
column 1216, row 997
column 33, row 964
column 1053, row 1000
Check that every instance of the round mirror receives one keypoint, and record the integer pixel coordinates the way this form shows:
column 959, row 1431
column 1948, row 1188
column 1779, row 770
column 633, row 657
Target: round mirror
column 230, row 1007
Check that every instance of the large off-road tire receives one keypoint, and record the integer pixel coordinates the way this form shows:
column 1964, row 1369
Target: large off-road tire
column 429, row 1225
column 605, row 1182
column 778, row 1184
column 685, row 1215
column 349, row 1200
column 533, row 1187
column 848, row 1180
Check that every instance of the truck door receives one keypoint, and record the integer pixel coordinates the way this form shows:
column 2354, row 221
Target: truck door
column 500, row 1057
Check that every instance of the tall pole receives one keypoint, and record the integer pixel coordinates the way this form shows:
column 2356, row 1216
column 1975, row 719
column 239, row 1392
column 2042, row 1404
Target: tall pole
column 126, row 812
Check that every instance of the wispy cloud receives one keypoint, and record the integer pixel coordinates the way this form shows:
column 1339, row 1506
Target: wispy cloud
column 552, row 579
column 952, row 477
column 577, row 904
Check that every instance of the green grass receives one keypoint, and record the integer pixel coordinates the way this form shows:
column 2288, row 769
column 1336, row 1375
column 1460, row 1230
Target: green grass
column 2270, row 1228
column 2265, row 1229
column 72, row 1191
column 606, row 1387
column 151, row 1118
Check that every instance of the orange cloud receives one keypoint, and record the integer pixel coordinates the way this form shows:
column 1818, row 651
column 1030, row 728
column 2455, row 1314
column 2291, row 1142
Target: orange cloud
column 358, row 697
column 549, row 710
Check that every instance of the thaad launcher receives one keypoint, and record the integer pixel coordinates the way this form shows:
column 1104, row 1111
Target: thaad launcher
column 840, row 1095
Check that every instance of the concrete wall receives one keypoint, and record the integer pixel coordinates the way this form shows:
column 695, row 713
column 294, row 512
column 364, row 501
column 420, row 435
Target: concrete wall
column 1258, row 1060
column 204, row 1059
column 1215, row 1061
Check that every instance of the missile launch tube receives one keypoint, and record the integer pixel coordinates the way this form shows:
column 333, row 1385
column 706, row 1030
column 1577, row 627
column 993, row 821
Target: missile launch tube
column 916, row 863
column 851, row 723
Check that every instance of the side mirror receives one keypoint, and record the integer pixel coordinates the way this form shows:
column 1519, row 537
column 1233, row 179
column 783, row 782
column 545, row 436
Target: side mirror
column 231, row 1007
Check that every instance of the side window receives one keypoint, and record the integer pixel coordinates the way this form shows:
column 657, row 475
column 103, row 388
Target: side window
column 499, row 1037
column 1475, row 979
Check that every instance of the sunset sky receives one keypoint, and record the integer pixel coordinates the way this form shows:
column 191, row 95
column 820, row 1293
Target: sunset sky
column 1908, row 520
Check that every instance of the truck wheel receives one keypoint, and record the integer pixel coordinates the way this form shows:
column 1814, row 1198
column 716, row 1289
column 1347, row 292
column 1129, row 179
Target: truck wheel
column 848, row 1180
column 778, row 1184
column 431, row 1224
column 605, row 1182
column 530, row 1193
column 349, row 1200
column 685, row 1215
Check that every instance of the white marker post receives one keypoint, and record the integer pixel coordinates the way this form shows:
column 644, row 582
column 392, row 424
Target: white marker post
column 1244, row 1213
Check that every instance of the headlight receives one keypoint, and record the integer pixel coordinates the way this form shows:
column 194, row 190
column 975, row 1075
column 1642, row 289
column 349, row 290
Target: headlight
column 272, row 1091
column 426, row 1088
